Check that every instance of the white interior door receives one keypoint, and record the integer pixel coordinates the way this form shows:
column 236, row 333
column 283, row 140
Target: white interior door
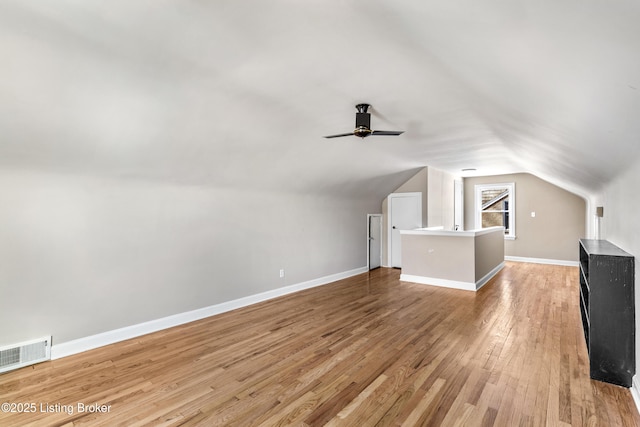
column 405, row 213
column 375, row 241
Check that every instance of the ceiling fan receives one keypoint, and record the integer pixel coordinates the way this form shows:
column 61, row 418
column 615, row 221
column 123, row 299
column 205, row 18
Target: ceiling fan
column 363, row 125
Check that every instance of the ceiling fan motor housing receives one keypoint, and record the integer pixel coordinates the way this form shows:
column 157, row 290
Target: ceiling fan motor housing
column 363, row 120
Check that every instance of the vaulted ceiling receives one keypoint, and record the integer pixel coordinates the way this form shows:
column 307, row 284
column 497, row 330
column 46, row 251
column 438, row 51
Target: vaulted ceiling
column 240, row 93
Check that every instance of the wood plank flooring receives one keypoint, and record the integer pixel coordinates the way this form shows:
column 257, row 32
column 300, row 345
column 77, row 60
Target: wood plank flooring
column 368, row 350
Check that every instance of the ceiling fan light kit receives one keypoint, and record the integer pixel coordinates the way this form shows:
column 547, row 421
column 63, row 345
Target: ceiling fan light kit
column 363, row 125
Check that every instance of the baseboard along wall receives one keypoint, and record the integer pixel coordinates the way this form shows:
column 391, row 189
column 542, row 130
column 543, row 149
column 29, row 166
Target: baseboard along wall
column 542, row 261
column 110, row 337
column 635, row 392
column 467, row 286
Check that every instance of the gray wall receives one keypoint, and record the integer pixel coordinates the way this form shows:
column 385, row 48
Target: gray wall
column 418, row 183
column 437, row 190
column 440, row 192
column 489, row 253
column 440, row 257
column 620, row 223
column 84, row 255
column 559, row 221
column 453, row 257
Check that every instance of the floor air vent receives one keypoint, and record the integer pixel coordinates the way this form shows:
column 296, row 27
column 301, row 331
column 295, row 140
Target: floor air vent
column 23, row 354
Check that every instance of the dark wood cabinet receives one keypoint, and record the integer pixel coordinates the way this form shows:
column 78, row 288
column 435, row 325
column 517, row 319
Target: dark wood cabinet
column 608, row 310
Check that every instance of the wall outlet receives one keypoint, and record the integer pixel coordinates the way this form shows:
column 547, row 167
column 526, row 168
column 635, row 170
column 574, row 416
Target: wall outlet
column 282, row 272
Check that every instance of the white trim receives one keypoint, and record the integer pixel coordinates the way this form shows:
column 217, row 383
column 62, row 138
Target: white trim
column 444, row 283
column 455, row 284
column 369, row 216
column 94, row 341
column 635, row 392
column 439, row 231
column 483, row 281
column 542, row 261
column 458, row 204
column 512, row 206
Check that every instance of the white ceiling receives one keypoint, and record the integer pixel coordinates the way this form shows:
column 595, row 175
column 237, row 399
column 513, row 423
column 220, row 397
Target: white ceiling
column 240, row 93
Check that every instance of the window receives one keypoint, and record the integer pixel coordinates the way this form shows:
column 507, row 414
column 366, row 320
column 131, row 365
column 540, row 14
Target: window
column 496, row 206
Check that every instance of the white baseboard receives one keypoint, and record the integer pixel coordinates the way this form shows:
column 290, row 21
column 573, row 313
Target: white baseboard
column 635, row 392
column 542, row 261
column 455, row 284
column 480, row 283
column 433, row 281
column 94, row 341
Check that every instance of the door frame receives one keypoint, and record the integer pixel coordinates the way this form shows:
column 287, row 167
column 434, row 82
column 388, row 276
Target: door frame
column 369, row 216
column 458, row 204
column 390, row 219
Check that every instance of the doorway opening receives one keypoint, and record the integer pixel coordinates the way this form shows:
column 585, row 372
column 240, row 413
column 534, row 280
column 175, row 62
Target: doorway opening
column 374, row 241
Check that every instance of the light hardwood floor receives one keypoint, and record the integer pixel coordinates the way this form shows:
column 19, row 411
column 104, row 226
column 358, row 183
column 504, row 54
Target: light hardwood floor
column 368, row 350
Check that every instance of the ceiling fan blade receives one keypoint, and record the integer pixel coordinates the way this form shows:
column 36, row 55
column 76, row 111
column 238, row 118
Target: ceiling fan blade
column 339, row 135
column 387, row 132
